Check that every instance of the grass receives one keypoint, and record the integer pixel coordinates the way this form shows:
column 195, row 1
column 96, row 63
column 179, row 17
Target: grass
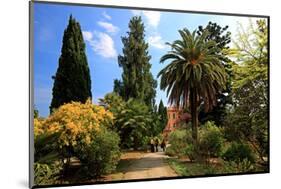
column 184, row 168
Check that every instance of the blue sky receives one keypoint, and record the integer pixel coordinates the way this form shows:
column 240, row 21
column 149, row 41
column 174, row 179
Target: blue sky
column 102, row 30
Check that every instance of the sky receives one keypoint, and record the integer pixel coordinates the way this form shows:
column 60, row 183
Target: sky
column 102, row 30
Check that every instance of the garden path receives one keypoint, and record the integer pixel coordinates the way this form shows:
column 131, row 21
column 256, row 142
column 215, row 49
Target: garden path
column 137, row 165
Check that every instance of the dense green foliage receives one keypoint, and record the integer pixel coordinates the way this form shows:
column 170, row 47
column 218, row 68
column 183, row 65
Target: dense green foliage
column 222, row 37
column 35, row 113
column 194, row 74
column 134, row 123
column 101, row 156
column 239, row 153
column 247, row 119
column 47, row 168
column 137, row 81
column 162, row 112
column 72, row 81
column 133, row 120
column 211, row 141
column 180, row 143
column 46, row 174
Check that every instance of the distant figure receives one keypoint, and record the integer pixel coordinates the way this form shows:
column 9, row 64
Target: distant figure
column 156, row 144
column 151, row 145
column 163, row 145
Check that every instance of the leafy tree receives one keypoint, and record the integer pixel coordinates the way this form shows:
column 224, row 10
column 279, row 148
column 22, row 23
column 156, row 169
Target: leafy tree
column 137, row 81
column 194, row 75
column 113, row 102
column 216, row 34
column 222, row 37
column 72, row 81
column 35, row 113
column 248, row 118
column 162, row 112
column 132, row 119
column 133, row 123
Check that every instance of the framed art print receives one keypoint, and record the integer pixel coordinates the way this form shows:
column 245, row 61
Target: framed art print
column 122, row 94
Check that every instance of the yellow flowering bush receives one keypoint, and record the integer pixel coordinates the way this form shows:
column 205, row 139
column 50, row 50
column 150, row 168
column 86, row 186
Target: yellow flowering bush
column 80, row 130
column 38, row 127
column 76, row 122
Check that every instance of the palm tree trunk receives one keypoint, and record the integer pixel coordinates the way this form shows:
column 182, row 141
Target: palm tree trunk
column 194, row 115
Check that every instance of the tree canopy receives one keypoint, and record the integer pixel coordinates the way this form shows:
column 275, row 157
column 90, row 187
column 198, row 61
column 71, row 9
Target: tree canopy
column 195, row 73
column 137, row 80
column 222, row 37
column 72, row 81
column 247, row 119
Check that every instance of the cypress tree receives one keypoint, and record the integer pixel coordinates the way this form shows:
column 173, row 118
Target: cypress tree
column 162, row 112
column 72, row 81
column 137, row 81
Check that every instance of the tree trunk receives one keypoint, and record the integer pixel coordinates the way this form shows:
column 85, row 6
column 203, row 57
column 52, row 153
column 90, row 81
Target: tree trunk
column 194, row 115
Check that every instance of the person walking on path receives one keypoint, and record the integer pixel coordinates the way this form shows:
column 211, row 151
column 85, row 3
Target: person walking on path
column 151, row 145
column 163, row 145
column 156, row 144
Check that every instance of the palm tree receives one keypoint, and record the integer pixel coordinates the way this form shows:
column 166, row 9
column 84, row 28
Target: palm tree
column 195, row 74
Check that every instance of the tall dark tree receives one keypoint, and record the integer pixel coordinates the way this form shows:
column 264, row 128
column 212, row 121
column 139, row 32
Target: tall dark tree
column 72, row 81
column 222, row 37
column 137, row 81
column 162, row 112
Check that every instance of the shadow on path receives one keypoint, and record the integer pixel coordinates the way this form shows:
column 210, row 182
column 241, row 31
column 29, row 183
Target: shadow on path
column 142, row 166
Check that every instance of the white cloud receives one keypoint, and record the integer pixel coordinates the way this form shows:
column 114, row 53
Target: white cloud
column 136, row 12
column 104, row 46
column 88, row 36
column 105, row 15
column 110, row 28
column 152, row 17
column 156, row 41
column 101, row 43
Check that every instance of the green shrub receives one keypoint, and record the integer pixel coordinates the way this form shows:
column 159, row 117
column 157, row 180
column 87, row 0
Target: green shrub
column 211, row 140
column 209, row 145
column 242, row 167
column 45, row 174
column 237, row 152
column 101, row 155
column 240, row 154
column 181, row 144
column 170, row 152
column 189, row 151
column 178, row 141
column 46, row 166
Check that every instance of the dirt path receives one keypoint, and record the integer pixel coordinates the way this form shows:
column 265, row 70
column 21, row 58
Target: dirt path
column 142, row 166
